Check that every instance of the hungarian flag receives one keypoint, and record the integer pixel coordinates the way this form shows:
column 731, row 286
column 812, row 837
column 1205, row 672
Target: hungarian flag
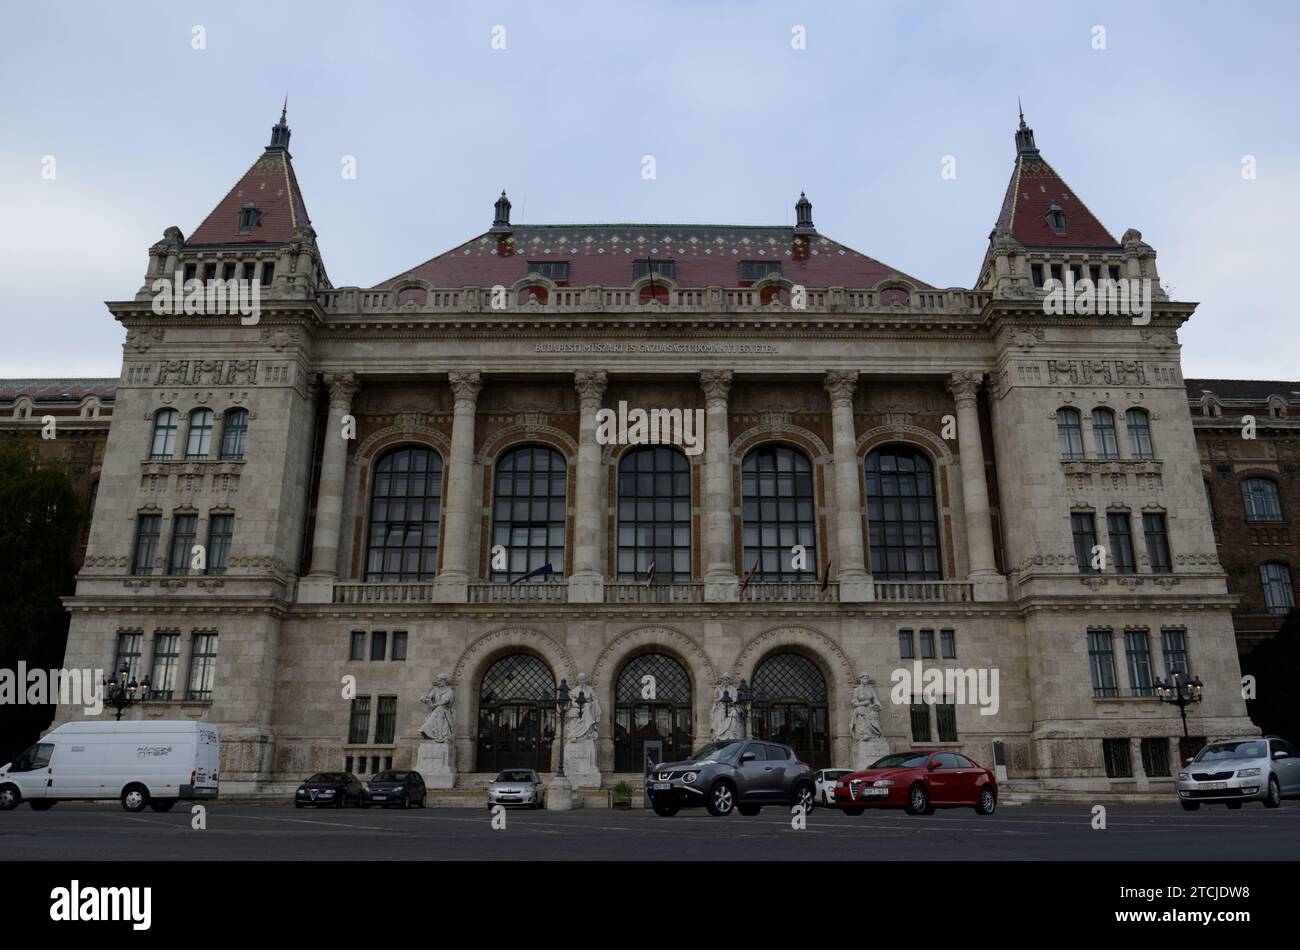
column 745, row 582
column 651, row 575
column 542, row 571
column 826, row 578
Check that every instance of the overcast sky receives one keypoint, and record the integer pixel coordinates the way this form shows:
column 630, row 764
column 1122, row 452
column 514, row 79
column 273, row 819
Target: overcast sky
column 146, row 131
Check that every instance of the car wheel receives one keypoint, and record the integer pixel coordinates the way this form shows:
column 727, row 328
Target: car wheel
column 1190, row 806
column 406, row 801
column 9, row 798
column 855, row 810
column 749, row 811
column 988, row 802
column 424, row 800
column 1274, row 798
column 665, row 809
column 805, row 796
column 722, row 798
column 135, row 797
column 161, row 805
column 41, row 804
column 918, row 801
column 1235, row 806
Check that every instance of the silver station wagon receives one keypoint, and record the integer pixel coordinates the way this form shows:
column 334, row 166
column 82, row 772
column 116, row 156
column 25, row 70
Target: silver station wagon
column 1233, row 771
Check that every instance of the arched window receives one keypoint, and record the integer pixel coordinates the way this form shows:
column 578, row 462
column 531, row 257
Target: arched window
column 199, row 440
column 1069, row 430
column 665, row 719
column 776, row 489
column 790, row 706
column 1261, row 499
column 165, row 423
column 1278, row 595
column 516, row 715
column 233, row 430
column 902, row 518
column 1103, row 434
column 405, row 508
column 654, row 514
column 528, row 513
column 1139, row 434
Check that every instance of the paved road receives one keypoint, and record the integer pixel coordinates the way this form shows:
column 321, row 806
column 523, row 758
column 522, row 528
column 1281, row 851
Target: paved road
column 280, row 832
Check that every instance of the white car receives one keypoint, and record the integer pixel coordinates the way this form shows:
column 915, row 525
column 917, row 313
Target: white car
column 826, row 780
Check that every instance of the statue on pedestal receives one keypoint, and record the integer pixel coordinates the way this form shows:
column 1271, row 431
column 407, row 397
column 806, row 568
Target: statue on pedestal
column 440, row 726
column 435, row 759
column 582, row 728
column 724, row 720
column 869, row 741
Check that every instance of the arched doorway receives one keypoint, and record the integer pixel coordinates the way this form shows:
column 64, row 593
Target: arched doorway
column 657, row 709
column 516, row 715
column 790, row 706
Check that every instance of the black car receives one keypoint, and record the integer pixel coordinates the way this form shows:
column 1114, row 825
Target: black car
column 329, row 790
column 402, row 789
column 740, row 774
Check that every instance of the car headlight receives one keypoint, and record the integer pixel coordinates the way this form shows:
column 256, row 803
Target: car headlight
column 1183, row 777
column 690, row 777
column 883, row 782
column 327, row 791
column 1247, row 773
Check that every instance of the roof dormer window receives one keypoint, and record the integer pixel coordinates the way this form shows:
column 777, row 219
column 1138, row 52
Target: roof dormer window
column 552, row 270
column 248, row 217
column 757, row 270
column 1056, row 219
column 666, row 269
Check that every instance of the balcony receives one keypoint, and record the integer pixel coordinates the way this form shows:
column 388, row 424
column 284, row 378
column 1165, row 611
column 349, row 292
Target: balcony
column 787, row 591
column 943, row 592
column 549, row 592
column 674, row 593
column 384, row 593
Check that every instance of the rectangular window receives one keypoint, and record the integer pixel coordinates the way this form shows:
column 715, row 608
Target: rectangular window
column 551, row 270
column 378, row 645
column 1173, row 644
column 250, row 269
column 1121, row 542
column 1101, row 661
column 191, row 271
column 948, row 644
column 1036, row 273
column 1084, row 526
column 128, row 653
column 661, row 269
column 166, row 652
column 221, row 529
column 920, row 722
column 1057, row 274
column 1279, row 596
column 147, row 530
column 1116, row 752
column 209, row 272
column 198, row 440
column 203, row 664
column 1137, row 647
column 906, row 645
column 399, row 645
column 386, row 720
column 359, row 721
column 945, row 715
column 1153, row 525
column 927, row 644
column 358, row 651
column 228, row 270
column 1114, row 271
column 268, row 273
column 757, row 270
column 1139, row 434
column 1103, row 434
column 1155, row 757
column 184, row 533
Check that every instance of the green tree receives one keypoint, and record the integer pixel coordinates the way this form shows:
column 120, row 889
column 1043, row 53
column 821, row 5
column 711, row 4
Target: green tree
column 1275, row 664
column 39, row 515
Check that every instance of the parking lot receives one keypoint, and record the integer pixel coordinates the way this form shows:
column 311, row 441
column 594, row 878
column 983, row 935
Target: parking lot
column 103, row 831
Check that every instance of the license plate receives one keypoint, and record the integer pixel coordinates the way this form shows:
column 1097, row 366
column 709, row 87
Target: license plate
column 662, row 786
column 1212, row 786
column 379, row 798
column 875, row 791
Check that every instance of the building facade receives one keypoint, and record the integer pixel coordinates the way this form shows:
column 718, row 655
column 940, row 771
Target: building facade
column 386, row 485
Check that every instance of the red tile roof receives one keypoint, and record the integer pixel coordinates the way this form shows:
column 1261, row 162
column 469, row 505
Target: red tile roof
column 1034, row 188
column 52, row 390
column 602, row 254
column 271, row 185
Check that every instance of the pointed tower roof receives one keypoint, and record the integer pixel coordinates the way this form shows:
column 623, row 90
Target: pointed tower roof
column 266, row 204
column 1034, row 195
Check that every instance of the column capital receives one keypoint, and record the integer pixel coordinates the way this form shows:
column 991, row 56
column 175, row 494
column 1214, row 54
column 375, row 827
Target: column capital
column 965, row 385
column 465, row 387
column 341, row 387
column 590, row 384
column 716, row 384
column 841, row 384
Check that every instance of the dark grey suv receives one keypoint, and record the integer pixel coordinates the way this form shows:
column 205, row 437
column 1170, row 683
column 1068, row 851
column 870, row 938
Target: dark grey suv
column 741, row 774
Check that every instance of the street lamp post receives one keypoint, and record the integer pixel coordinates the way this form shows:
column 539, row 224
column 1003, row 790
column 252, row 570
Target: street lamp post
column 1181, row 692
column 744, row 697
column 122, row 691
column 559, row 796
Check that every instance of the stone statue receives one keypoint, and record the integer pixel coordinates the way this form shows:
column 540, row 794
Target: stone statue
column 582, row 728
column 584, row 725
column 440, row 726
column 724, row 721
column 868, row 739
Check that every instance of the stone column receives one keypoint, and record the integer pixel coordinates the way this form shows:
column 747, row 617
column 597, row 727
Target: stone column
column 318, row 585
column 720, row 582
column 587, row 583
column 452, row 585
column 989, row 584
column 852, row 575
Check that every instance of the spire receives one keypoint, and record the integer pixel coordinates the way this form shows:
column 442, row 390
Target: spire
column 501, row 220
column 1024, row 135
column 803, row 216
column 280, row 131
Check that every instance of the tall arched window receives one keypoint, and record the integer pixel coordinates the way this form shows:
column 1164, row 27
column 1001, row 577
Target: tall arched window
column 1069, row 431
column 1103, row 434
column 790, row 706
column 665, row 719
column 1261, row 499
column 405, row 509
column 165, row 423
column 1278, row 595
column 199, row 440
column 234, row 429
column 902, row 515
column 1139, row 434
column 528, row 512
column 654, row 514
column 516, row 714
column 776, row 489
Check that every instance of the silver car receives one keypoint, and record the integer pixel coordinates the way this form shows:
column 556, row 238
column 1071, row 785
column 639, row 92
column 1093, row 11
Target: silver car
column 740, row 774
column 1233, row 771
column 516, row 787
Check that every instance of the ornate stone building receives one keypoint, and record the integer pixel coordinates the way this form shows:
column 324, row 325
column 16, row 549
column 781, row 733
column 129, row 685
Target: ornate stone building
column 396, row 482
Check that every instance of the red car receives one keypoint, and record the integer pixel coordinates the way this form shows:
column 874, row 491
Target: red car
column 919, row 782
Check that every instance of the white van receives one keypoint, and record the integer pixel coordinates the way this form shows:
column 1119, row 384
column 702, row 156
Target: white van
column 139, row 762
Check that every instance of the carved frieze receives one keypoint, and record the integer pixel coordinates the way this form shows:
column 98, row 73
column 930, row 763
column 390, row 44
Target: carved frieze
column 1095, row 372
